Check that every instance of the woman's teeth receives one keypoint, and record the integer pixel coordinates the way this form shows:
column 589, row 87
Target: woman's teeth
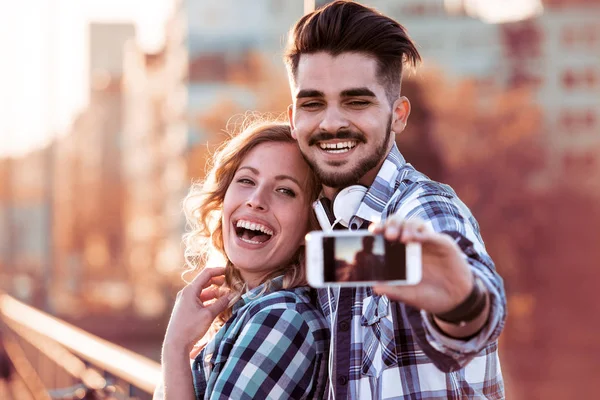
column 253, row 226
column 252, row 232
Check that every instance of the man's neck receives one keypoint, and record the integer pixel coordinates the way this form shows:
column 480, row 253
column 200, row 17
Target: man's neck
column 366, row 180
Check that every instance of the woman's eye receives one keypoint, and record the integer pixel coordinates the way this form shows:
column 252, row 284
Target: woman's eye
column 287, row 192
column 245, row 181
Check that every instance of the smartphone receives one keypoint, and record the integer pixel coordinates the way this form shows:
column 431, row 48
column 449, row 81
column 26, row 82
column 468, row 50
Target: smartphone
column 359, row 258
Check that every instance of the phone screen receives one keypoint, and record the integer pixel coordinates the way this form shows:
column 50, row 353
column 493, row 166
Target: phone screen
column 363, row 258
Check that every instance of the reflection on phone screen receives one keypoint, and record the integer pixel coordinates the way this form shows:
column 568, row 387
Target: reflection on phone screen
column 363, row 258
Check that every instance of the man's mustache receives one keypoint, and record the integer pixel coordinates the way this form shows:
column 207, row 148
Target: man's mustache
column 342, row 134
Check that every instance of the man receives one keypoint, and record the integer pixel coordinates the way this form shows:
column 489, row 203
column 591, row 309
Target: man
column 434, row 340
column 366, row 263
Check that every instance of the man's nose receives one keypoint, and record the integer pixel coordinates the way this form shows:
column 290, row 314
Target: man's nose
column 333, row 120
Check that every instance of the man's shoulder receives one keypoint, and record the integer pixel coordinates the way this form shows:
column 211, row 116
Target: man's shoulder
column 412, row 182
column 418, row 195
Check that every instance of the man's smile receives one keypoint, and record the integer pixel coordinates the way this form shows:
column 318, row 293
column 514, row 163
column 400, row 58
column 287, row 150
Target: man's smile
column 338, row 147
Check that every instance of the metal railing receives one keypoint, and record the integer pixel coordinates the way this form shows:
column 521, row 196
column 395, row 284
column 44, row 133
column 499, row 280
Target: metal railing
column 42, row 357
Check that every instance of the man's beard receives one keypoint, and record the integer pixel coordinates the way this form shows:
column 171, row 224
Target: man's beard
column 342, row 179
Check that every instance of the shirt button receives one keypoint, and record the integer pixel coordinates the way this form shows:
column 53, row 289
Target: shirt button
column 342, row 380
column 344, row 326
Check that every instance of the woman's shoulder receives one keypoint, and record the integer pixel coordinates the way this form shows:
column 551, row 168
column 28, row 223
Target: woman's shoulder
column 298, row 303
column 301, row 296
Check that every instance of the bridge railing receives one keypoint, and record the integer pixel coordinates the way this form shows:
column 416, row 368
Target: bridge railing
column 50, row 359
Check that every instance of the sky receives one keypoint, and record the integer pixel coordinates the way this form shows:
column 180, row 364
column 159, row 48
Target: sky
column 43, row 73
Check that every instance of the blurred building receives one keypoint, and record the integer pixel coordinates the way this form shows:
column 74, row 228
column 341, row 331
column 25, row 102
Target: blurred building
column 231, row 46
column 554, row 55
column 25, row 231
column 210, row 56
column 5, row 220
column 569, row 41
column 107, row 48
column 144, row 156
column 89, row 187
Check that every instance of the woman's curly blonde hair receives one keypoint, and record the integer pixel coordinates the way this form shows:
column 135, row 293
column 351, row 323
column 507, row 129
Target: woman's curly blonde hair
column 204, row 203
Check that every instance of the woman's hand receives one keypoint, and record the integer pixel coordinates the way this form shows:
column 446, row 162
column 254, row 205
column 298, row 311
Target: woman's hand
column 196, row 307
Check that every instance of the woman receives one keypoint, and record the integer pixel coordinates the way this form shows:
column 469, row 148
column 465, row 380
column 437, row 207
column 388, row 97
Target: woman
column 254, row 209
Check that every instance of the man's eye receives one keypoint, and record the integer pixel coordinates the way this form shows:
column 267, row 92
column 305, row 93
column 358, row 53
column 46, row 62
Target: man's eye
column 358, row 103
column 287, row 192
column 310, row 105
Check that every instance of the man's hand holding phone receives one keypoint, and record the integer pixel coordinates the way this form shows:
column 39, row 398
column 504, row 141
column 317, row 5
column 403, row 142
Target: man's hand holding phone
column 447, row 279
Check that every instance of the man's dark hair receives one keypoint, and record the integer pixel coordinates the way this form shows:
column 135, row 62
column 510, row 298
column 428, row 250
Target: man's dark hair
column 344, row 26
column 368, row 241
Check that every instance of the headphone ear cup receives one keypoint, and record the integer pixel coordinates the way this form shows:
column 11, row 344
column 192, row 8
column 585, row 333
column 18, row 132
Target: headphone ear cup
column 346, row 203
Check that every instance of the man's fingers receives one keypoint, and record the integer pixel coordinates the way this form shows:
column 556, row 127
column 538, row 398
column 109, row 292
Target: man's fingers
column 376, row 227
column 405, row 294
column 415, row 230
column 397, row 228
column 393, row 228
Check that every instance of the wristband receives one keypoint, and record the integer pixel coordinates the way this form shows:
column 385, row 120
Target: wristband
column 469, row 309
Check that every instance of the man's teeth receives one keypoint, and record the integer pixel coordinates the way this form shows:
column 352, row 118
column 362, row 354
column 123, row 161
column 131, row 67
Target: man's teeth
column 340, row 147
column 253, row 226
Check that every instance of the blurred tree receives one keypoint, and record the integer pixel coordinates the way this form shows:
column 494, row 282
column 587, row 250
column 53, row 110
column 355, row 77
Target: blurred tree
column 488, row 144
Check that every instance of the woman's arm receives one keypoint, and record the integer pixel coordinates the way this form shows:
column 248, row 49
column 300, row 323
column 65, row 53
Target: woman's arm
column 275, row 356
column 196, row 307
column 177, row 375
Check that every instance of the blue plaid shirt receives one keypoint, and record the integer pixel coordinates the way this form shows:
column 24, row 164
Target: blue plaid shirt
column 274, row 346
column 389, row 350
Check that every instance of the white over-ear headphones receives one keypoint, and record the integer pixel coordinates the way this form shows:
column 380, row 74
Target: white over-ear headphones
column 345, row 205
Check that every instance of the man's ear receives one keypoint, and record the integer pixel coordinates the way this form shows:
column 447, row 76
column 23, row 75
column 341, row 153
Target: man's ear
column 400, row 113
column 291, row 120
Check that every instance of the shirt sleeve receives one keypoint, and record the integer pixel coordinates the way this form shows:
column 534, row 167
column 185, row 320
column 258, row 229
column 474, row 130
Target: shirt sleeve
column 274, row 357
column 447, row 214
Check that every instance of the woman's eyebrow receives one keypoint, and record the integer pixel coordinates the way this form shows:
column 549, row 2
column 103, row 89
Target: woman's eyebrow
column 278, row 177
column 291, row 178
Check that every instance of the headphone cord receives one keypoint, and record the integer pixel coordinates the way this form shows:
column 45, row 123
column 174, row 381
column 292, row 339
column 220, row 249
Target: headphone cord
column 332, row 318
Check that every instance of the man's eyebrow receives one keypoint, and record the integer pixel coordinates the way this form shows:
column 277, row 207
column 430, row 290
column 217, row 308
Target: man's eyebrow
column 309, row 93
column 354, row 92
column 278, row 177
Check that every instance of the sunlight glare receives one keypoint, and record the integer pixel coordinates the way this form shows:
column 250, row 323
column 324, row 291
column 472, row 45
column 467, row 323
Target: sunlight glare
column 502, row 11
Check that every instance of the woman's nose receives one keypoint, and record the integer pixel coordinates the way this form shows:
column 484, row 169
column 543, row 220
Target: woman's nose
column 257, row 200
